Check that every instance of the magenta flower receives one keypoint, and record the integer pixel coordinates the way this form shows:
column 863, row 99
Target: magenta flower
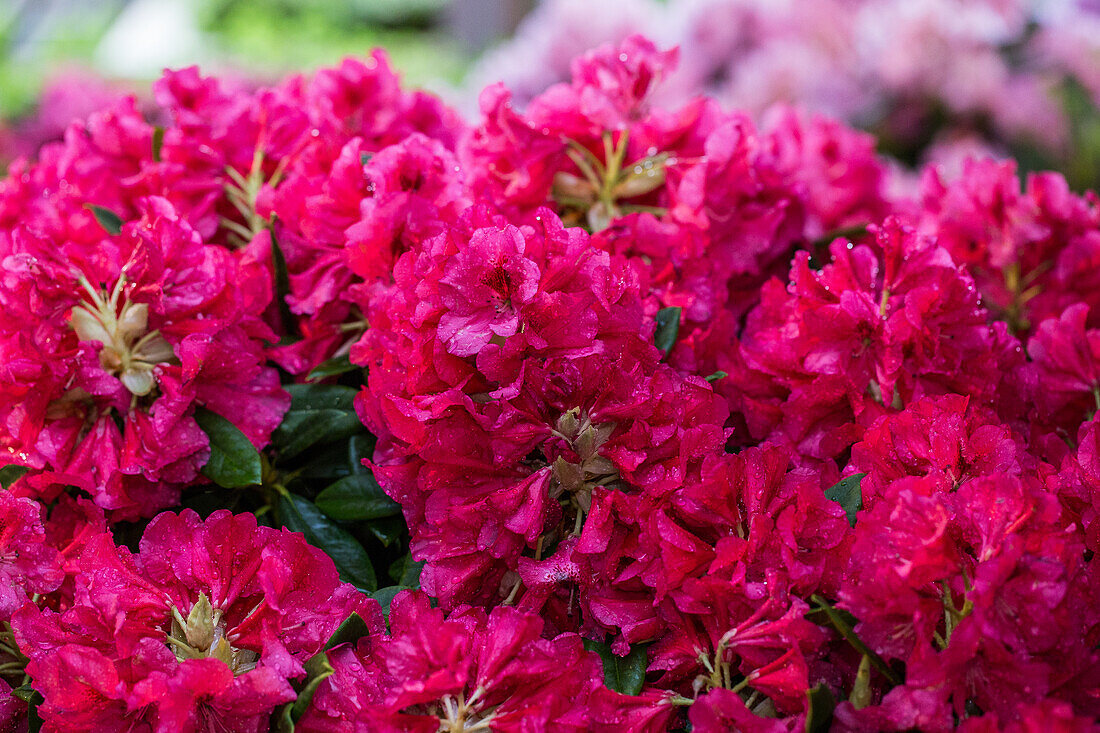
column 203, row 627
column 122, row 339
column 483, row 290
column 471, row 671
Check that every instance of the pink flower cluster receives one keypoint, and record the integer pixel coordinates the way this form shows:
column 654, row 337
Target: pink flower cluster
column 936, row 78
column 692, row 421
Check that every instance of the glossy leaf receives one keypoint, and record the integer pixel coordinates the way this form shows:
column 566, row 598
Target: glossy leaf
column 333, row 367
column 820, row 704
column 10, row 474
column 234, row 462
column 668, row 328
column 299, row 514
column 302, row 429
column 622, row 674
column 385, row 596
column 848, row 494
column 321, row 397
column 355, row 498
column 109, row 220
column 406, row 572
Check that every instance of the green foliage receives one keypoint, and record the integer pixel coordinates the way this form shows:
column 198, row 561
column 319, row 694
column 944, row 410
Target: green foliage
column 109, row 220
column 10, row 474
column 820, row 704
column 622, row 674
column 299, row 514
column 318, row 669
column 357, row 497
column 848, row 494
column 234, row 462
column 668, row 328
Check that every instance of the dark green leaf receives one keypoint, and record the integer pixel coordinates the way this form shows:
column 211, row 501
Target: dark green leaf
column 819, row 709
column 33, row 698
column 668, row 328
column 357, row 497
column 298, row 514
column 359, row 447
column 331, row 368
column 234, row 462
column 10, row 474
column 844, row 624
column 318, row 670
column 302, row 429
column 322, row 397
column 282, row 288
column 406, row 572
column 622, row 674
column 716, row 376
column 385, row 596
column 324, row 464
column 158, row 142
column 350, row 631
column 109, row 220
column 25, row 693
column 847, row 493
column 387, row 530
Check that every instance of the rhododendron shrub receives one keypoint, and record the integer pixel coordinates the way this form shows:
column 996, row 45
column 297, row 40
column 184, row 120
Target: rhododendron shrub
column 323, row 409
column 204, row 626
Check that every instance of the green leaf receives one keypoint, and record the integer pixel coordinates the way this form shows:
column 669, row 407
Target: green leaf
column 158, row 142
column 388, row 529
column 282, row 288
column 847, row 493
column 324, row 464
column 819, row 709
column 302, row 429
column 33, row 698
column 299, row 514
column 318, row 669
column 844, row 624
column 10, row 474
column 350, row 631
column 357, row 497
column 322, row 397
column 364, row 158
column 385, row 596
column 622, row 674
column 334, row 366
column 716, row 376
column 668, row 328
column 359, row 447
column 406, row 572
column 107, row 219
column 234, row 462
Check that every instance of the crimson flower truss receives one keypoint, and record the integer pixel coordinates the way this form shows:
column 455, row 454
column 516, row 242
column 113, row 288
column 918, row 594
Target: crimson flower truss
column 322, row 409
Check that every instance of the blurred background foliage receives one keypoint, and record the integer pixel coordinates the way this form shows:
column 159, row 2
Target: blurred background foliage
column 431, row 42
